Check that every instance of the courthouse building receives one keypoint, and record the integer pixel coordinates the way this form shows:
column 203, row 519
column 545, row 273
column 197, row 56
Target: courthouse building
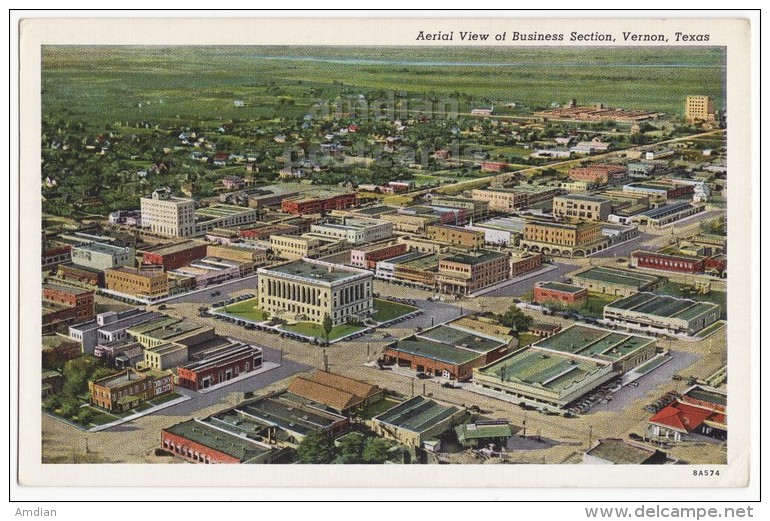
column 309, row 290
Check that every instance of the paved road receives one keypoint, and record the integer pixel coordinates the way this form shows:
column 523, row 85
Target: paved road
column 525, row 286
column 250, row 283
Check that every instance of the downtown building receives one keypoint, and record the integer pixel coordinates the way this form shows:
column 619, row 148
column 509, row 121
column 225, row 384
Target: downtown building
column 310, row 290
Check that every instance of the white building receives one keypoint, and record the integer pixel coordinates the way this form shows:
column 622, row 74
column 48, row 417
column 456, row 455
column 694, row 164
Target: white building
column 355, row 230
column 167, row 215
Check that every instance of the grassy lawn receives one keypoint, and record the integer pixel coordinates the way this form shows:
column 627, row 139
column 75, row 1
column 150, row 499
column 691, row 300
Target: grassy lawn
column 675, row 289
column 703, row 333
column 649, row 366
column 101, row 417
column 317, row 331
column 164, row 399
column 380, row 407
column 596, row 302
column 385, row 310
column 526, row 339
column 246, row 310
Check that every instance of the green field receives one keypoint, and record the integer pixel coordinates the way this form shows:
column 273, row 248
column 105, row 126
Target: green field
column 595, row 303
column 385, row 310
column 526, row 339
column 246, row 309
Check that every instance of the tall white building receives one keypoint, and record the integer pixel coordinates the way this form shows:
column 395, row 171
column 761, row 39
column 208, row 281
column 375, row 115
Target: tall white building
column 167, row 215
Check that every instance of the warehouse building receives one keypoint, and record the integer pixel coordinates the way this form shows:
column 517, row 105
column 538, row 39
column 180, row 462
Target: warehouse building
column 98, row 256
column 213, row 441
column 310, row 290
column 558, row 370
column 662, row 313
column 219, row 364
column 614, row 281
column 417, row 421
column 667, row 214
column 560, row 294
column 334, row 392
column 451, row 350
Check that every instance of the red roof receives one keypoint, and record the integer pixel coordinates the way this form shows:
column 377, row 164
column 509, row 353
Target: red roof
column 681, row 417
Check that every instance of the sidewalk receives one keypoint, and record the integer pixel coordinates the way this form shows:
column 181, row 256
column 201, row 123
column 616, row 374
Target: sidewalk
column 266, row 366
column 140, row 414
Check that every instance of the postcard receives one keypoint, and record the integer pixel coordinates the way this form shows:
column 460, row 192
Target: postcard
column 448, row 252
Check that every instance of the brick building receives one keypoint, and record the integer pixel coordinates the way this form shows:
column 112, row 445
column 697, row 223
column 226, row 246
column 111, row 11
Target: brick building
column 524, row 261
column 456, row 236
column 367, row 257
column 598, row 174
column 665, row 262
column 559, row 294
column 130, row 388
column 219, row 364
column 306, row 205
column 511, row 199
column 176, row 255
column 582, row 207
column 565, row 239
column 466, row 273
column 66, row 305
column 137, row 282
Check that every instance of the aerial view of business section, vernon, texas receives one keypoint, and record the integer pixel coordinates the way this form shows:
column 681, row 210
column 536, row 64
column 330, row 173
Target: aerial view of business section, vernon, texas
column 413, row 256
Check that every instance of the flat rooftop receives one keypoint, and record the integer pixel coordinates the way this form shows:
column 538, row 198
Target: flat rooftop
column 427, row 262
column 580, row 197
column 376, row 210
column 560, row 286
column 316, row 271
column 667, row 209
column 290, row 415
column 217, row 439
column 407, row 257
column 165, row 327
column 435, row 350
column 168, row 249
column 417, row 415
column 66, row 289
column 218, row 211
column 129, row 375
column 664, row 306
column 552, row 371
column 599, row 344
column 617, row 276
column 98, row 247
column 475, row 258
column 460, row 338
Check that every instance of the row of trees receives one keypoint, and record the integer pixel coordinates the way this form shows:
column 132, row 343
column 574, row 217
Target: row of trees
column 353, row 448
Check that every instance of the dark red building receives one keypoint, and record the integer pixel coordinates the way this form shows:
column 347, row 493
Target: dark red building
column 219, row 364
column 560, row 294
column 66, row 305
column 716, row 265
column 318, row 204
column 175, row 256
column 80, row 275
column 675, row 263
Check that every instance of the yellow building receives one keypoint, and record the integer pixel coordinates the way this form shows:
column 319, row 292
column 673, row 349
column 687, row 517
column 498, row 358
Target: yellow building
column 699, row 109
column 456, row 236
column 310, row 246
column 565, row 239
column 309, row 290
column 142, row 283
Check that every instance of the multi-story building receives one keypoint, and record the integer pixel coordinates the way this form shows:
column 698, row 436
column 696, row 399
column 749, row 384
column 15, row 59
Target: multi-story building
column 109, row 326
column 465, row 273
column 219, row 364
column 309, row 246
column 53, row 256
column 660, row 190
column 512, row 199
column 242, row 254
column 64, row 305
column 456, row 236
column 130, row 388
column 311, row 290
column 354, row 230
column 418, row 244
column 98, row 256
column 565, row 239
column 165, row 356
column 586, row 207
column 173, row 256
column 144, row 284
column 409, row 223
column 560, row 294
column 309, row 205
column 166, row 215
column 420, row 270
column 699, row 109
column 368, row 256
column 598, row 174
column 474, row 209
column 662, row 313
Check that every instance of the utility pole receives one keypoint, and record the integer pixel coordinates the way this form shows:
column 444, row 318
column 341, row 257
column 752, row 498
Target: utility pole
column 281, row 359
column 326, row 361
column 590, row 435
column 423, row 388
column 412, row 387
column 368, row 345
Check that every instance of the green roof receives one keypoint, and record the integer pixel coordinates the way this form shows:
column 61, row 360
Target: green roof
column 664, row 306
column 435, row 351
column 417, row 415
column 599, row 344
column 548, row 370
column 475, row 258
column 224, row 442
column 560, row 286
column 456, row 337
column 617, row 276
column 474, row 431
column 316, row 271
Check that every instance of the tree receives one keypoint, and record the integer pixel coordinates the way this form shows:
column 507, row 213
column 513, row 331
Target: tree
column 515, row 319
column 377, row 450
column 316, row 448
column 327, row 325
column 351, row 448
